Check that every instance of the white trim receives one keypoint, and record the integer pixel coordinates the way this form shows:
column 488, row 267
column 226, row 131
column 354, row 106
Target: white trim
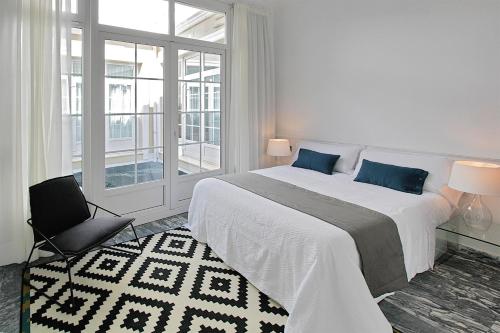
column 210, row 5
column 157, row 213
column 111, row 192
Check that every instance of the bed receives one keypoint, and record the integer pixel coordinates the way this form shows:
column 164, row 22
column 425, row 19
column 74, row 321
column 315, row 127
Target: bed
column 308, row 266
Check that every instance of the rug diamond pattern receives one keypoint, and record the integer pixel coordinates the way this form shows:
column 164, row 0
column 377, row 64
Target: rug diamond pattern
column 176, row 285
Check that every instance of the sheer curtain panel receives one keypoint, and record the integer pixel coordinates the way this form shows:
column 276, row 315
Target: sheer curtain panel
column 34, row 39
column 252, row 113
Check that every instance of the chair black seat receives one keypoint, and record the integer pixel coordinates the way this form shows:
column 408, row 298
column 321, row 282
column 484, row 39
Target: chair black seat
column 88, row 234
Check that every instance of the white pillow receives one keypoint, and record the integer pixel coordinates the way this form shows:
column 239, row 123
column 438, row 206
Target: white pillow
column 348, row 153
column 439, row 168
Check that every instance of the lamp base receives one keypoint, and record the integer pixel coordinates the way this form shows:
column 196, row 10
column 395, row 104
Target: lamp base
column 476, row 215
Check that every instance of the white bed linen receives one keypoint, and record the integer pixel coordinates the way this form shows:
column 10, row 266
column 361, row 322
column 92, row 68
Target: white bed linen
column 307, row 265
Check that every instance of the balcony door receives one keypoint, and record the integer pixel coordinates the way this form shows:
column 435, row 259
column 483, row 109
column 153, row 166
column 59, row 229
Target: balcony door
column 199, row 109
column 130, row 126
column 155, row 124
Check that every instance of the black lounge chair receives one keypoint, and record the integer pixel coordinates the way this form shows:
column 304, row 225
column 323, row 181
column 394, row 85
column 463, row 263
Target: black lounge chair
column 62, row 224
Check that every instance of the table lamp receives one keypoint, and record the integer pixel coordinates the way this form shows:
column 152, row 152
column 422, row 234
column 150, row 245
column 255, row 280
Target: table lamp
column 279, row 147
column 479, row 179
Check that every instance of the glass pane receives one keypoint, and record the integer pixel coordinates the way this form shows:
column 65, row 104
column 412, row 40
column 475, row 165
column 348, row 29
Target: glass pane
column 120, row 169
column 149, row 96
column 120, row 59
column 211, row 97
column 211, row 67
column 149, row 165
column 76, row 99
column 149, row 131
column 189, row 159
column 149, row 61
column 193, row 99
column 196, row 23
column 189, row 97
column 151, row 15
column 76, row 94
column 65, row 82
column 210, row 157
column 189, row 128
column 181, row 97
column 76, row 132
column 76, row 51
column 189, row 65
column 211, row 128
column 134, row 126
column 120, row 133
column 119, row 95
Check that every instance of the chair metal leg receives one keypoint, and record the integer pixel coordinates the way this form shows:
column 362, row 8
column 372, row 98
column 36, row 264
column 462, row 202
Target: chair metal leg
column 68, row 268
column 28, row 261
column 136, row 238
column 23, row 276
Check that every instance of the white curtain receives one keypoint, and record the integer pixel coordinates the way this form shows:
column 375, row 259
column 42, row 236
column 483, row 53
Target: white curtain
column 251, row 114
column 34, row 121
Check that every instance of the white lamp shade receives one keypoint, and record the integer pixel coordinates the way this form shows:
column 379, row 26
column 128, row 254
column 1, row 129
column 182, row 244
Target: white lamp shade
column 278, row 147
column 475, row 177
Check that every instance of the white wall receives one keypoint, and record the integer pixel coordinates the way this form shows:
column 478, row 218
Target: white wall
column 412, row 74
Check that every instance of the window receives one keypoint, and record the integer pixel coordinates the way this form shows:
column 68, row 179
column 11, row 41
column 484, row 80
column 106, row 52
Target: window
column 150, row 15
column 201, row 24
column 199, row 108
column 133, row 113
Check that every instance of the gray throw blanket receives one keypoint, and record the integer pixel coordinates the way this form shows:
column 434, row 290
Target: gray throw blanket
column 375, row 234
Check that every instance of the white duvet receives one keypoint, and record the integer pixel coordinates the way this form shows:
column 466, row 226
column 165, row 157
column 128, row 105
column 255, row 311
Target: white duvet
column 307, row 265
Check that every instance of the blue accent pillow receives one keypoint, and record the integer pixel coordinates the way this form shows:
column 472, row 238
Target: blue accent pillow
column 398, row 178
column 313, row 160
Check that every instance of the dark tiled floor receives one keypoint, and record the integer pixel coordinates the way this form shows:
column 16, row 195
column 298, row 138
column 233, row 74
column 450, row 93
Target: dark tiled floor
column 10, row 291
column 462, row 293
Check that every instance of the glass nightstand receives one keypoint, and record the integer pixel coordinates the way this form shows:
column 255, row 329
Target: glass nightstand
column 457, row 226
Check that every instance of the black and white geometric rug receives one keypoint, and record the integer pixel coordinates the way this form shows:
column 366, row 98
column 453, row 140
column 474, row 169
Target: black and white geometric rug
column 176, row 285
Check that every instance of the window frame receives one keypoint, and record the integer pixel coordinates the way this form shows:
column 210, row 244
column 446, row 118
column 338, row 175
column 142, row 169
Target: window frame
column 78, row 22
column 209, row 5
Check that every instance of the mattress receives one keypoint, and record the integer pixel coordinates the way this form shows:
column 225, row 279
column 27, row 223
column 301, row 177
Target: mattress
column 308, row 266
